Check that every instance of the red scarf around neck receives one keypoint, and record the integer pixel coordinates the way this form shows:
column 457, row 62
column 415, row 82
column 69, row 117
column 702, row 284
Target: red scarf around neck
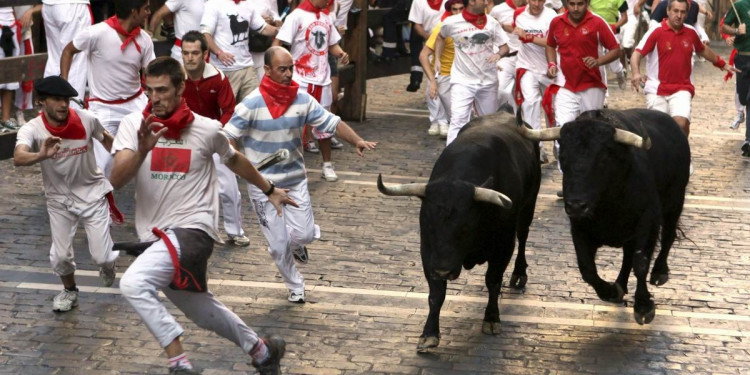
column 308, row 6
column 114, row 23
column 179, row 120
column 435, row 4
column 278, row 97
column 511, row 4
column 478, row 20
column 445, row 15
column 72, row 128
column 237, row 1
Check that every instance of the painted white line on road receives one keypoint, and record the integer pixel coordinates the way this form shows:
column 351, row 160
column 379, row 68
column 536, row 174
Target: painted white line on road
column 396, row 114
column 508, row 300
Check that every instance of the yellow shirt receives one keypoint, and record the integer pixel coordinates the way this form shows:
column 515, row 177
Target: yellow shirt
column 446, row 59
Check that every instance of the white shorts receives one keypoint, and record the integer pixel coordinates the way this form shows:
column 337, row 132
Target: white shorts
column 326, row 99
column 628, row 32
column 677, row 104
column 569, row 105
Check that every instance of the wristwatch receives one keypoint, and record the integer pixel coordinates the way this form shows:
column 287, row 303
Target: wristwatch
column 271, row 189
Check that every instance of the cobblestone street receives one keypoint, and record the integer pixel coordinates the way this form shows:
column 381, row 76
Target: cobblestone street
column 367, row 296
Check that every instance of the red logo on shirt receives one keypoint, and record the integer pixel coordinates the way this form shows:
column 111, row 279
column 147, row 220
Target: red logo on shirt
column 668, row 45
column 170, row 160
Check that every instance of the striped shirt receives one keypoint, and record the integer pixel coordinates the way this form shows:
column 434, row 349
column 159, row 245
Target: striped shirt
column 260, row 135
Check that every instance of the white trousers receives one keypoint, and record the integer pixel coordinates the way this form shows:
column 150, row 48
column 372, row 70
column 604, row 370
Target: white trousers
column 151, row 272
column 62, row 22
column 463, row 98
column 568, row 104
column 110, row 116
column 444, row 93
column 230, row 198
column 532, row 86
column 295, row 226
column 63, row 222
column 438, row 112
column 506, row 79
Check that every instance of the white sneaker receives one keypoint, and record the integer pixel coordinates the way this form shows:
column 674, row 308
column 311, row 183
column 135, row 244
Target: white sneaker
column 739, row 119
column 328, row 173
column 336, row 144
column 311, row 147
column 444, row 130
column 241, row 241
column 65, row 301
column 19, row 117
column 434, row 129
column 621, row 80
column 692, row 170
column 300, row 253
column 107, row 275
column 296, row 297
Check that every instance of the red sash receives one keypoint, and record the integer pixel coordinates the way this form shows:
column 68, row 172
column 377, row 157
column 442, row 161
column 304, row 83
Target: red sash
column 548, row 103
column 177, row 279
column 517, row 93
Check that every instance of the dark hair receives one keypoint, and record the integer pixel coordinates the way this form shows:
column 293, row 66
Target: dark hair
column 123, row 8
column 166, row 66
column 195, row 36
column 669, row 4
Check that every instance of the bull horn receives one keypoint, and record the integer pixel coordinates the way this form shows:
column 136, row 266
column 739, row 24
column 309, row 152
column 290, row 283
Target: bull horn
column 632, row 139
column 403, row 190
column 491, row 196
column 549, row 134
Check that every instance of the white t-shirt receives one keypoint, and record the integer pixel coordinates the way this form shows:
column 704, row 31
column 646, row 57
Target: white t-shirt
column 472, row 48
column 421, row 13
column 503, row 13
column 70, row 176
column 229, row 24
column 58, row 2
column 175, row 186
column 310, row 38
column 7, row 18
column 113, row 74
column 531, row 56
column 187, row 15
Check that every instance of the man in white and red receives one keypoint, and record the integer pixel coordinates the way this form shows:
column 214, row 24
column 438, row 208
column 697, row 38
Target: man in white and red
column 117, row 50
column 226, row 25
column 312, row 36
column 506, row 67
column 425, row 15
column 530, row 26
column 187, row 17
column 574, row 40
column 60, row 139
column 476, row 37
column 669, row 51
column 208, row 93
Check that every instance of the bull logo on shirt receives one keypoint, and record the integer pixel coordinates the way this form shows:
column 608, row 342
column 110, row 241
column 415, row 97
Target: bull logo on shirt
column 685, row 44
column 584, row 31
column 240, row 28
column 316, row 38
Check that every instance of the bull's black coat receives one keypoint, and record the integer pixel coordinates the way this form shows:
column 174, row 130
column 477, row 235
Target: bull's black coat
column 620, row 196
column 457, row 231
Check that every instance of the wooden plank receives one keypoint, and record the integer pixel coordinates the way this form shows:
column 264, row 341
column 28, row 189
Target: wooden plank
column 7, row 145
column 353, row 104
column 22, row 68
column 12, row 3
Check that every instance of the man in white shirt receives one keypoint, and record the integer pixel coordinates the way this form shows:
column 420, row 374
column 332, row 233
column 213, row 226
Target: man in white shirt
column 424, row 14
column 504, row 13
column 226, row 25
column 117, row 50
column 168, row 150
column 60, row 139
column 187, row 17
column 531, row 28
column 312, row 36
column 476, row 37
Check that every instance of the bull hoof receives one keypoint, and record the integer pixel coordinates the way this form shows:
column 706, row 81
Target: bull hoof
column 659, row 279
column 645, row 317
column 491, row 328
column 425, row 343
column 518, row 281
column 619, row 293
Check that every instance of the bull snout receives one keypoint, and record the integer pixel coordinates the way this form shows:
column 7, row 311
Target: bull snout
column 577, row 209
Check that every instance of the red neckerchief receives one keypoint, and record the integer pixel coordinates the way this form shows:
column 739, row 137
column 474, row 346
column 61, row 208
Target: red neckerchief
column 511, row 4
column 180, row 119
column 435, row 4
column 309, row 7
column 114, row 23
column 72, row 128
column 278, row 97
column 237, row 1
column 478, row 20
column 445, row 15
column 729, row 74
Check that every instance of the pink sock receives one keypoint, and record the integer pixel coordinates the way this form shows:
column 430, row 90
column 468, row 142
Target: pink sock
column 180, row 361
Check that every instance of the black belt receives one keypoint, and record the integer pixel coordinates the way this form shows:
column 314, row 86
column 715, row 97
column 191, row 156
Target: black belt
column 512, row 54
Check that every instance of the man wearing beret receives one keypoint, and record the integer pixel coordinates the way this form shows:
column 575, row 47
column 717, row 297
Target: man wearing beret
column 60, row 139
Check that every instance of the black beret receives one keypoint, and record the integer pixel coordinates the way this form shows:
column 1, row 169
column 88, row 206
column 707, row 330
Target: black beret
column 55, row 86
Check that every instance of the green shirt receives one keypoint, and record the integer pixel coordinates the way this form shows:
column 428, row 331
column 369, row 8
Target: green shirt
column 607, row 9
column 741, row 42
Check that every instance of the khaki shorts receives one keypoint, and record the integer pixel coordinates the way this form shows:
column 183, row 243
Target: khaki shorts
column 243, row 81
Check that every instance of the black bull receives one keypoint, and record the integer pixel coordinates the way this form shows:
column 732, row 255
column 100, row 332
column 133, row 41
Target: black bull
column 621, row 196
column 464, row 221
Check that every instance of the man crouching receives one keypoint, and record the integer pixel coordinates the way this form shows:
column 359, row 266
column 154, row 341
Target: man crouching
column 168, row 150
